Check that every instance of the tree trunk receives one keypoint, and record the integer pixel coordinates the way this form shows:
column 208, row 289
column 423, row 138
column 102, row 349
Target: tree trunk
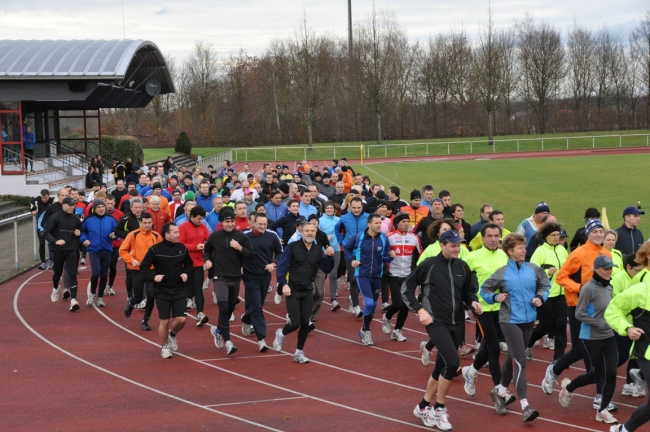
column 378, row 127
column 310, row 139
column 491, row 127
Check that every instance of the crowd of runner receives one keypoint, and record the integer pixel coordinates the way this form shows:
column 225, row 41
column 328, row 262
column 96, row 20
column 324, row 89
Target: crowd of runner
column 178, row 232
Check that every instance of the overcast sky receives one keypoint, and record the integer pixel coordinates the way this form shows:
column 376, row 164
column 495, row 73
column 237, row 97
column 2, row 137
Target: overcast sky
column 251, row 24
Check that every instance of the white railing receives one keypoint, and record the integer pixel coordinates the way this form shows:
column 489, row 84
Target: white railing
column 215, row 160
column 23, row 241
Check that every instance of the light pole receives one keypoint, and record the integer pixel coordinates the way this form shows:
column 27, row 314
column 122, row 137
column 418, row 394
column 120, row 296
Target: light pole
column 350, row 28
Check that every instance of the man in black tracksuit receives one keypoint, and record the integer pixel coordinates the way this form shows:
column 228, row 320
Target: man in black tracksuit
column 630, row 238
column 257, row 277
column 130, row 222
column 301, row 260
column 224, row 253
column 441, row 311
column 172, row 264
column 38, row 206
column 63, row 230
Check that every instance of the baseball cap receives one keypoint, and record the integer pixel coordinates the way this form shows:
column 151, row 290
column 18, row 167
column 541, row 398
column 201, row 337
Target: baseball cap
column 248, row 191
column 563, row 233
column 632, row 211
column 603, row 261
column 68, row 201
column 451, row 237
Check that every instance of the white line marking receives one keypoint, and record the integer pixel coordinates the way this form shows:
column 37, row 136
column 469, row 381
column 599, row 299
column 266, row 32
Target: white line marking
column 256, row 401
column 387, row 179
column 146, row 387
column 263, row 356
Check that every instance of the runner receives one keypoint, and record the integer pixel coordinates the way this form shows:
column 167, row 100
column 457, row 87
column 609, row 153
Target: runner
column 167, row 265
column 519, row 287
column 130, row 222
column 117, row 242
column 223, row 255
column 442, row 316
column 327, row 223
column 301, row 260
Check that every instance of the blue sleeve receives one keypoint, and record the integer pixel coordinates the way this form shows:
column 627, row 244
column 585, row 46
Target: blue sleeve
column 337, row 231
column 85, row 229
column 207, row 225
column 326, row 264
column 40, row 222
column 348, row 249
column 283, row 266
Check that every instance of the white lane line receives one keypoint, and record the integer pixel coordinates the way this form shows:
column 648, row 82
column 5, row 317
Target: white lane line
column 256, row 401
column 265, row 356
column 387, row 179
column 297, row 393
column 130, row 381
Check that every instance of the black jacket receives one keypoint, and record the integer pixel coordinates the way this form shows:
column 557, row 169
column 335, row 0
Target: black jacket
column 267, row 249
column 61, row 226
column 168, row 259
column 288, row 225
column 302, row 265
column 226, row 261
column 422, row 228
column 40, row 206
column 579, row 238
column 629, row 240
column 51, row 210
column 442, row 297
column 128, row 223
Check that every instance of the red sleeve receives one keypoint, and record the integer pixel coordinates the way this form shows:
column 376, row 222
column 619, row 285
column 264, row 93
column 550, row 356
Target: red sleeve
column 186, row 238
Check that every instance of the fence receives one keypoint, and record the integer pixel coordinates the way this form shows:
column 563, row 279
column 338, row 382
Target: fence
column 16, row 255
column 439, row 148
column 215, row 160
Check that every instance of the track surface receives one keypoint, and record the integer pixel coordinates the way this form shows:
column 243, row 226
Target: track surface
column 95, row 369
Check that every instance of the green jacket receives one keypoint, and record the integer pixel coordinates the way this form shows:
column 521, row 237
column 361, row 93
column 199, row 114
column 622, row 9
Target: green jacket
column 633, row 301
column 555, row 256
column 641, row 276
column 484, row 263
column 620, row 282
column 434, row 249
column 617, row 258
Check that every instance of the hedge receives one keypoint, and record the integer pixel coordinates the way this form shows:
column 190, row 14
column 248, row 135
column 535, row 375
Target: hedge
column 124, row 147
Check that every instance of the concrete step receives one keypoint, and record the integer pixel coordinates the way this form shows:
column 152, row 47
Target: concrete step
column 9, row 209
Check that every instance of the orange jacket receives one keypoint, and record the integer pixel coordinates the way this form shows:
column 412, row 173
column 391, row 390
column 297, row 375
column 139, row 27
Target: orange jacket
column 580, row 263
column 415, row 215
column 136, row 244
column 347, row 180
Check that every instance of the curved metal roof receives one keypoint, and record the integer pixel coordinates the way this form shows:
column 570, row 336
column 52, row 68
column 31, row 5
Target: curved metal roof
column 105, row 60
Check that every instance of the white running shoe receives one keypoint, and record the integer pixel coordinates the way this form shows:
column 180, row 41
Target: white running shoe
column 366, row 337
column 190, row 304
column 549, row 343
column 230, row 348
column 335, row 306
column 630, row 390
column 55, row 295
column 350, row 305
column 565, row 396
column 467, row 317
column 262, row 346
column 91, row 300
column 385, row 325
column 427, row 415
column 232, row 317
column 270, row 289
column 218, row 339
column 214, row 297
column 397, row 335
column 470, row 381
column 166, row 352
column 279, row 340
column 109, row 291
column 426, row 355
column 206, row 284
column 605, row 417
column 83, row 261
column 143, row 304
column 277, row 298
column 548, row 382
column 635, row 374
column 173, row 343
column 299, row 357
column 74, row 305
column 246, row 329
column 358, row 312
column 201, row 319
column 384, row 306
column 503, row 347
column 100, row 302
column 441, row 416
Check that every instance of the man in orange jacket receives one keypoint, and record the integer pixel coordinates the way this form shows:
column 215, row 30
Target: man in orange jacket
column 415, row 211
column 133, row 249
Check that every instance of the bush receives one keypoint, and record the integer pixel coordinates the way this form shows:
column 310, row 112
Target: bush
column 183, row 144
column 124, row 147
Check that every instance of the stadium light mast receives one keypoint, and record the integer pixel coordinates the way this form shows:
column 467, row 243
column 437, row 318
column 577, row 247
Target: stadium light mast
column 350, row 28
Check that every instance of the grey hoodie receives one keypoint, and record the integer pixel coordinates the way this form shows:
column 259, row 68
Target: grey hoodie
column 592, row 302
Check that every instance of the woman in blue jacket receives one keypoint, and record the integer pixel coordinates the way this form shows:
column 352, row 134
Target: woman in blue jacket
column 326, row 223
column 97, row 234
column 366, row 252
column 520, row 287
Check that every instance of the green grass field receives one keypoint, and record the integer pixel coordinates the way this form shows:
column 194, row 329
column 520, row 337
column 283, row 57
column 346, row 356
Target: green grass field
column 569, row 185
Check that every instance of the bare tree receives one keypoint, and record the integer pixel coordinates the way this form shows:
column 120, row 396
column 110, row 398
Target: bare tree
column 581, row 50
column 541, row 55
column 460, row 60
column 201, row 68
column 641, row 52
column 605, row 47
column 619, row 71
column 405, row 71
column 429, row 85
column 238, row 85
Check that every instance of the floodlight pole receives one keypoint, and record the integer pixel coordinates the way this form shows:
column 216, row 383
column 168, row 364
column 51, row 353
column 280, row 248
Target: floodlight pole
column 350, row 28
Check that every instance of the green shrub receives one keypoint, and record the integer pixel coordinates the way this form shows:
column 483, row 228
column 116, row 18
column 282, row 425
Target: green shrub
column 21, row 200
column 124, row 147
column 183, row 144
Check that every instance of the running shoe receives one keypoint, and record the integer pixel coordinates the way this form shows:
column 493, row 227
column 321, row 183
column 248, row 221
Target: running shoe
column 442, row 419
column 299, row 357
column 616, row 428
column 470, row 381
column 100, row 302
column 279, row 340
column 246, row 329
column 312, row 326
column 166, row 352
column 83, row 261
column 549, row 343
column 365, row 336
column 466, row 349
column 190, row 304
column 605, row 417
column 385, row 325
column 277, row 299
column 397, row 335
column 548, row 382
column 262, row 346
column 218, row 339
column 128, row 309
column 384, row 306
column 335, row 306
column 630, row 390
column 598, row 401
column 109, row 290
column 214, row 297
column 635, row 374
column 288, row 319
column 173, row 343
column 144, row 326
column 42, row 266
column 66, row 294
column 143, row 304
column 270, row 289
column 232, row 317
column 74, row 305
column 91, row 300
column 503, row 347
column 206, row 284
column 358, row 312
column 467, row 317
column 565, row 396
column 55, row 295
column 350, row 305
column 529, row 354
column 426, row 355
column 201, row 319
column 499, row 402
column 426, row 415
column 529, row 414
column 230, row 348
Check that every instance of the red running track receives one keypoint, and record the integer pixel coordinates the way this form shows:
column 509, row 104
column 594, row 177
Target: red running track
column 96, row 369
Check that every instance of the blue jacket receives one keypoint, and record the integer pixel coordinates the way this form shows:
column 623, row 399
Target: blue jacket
column 522, row 283
column 29, row 139
column 307, row 210
column 212, row 218
column 97, row 230
column 372, row 252
column 275, row 212
column 327, row 224
column 182, row 219
column 352, row 226
column 206, row 203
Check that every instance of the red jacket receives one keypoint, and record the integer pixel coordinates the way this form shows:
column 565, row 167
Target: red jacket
column 192, row 236
column 160, row 218
column 241, row 224
column 117, row 215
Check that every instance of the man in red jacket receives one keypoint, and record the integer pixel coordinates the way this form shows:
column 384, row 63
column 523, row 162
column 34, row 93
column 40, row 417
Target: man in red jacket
column 194, row 235
column 160, row 217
